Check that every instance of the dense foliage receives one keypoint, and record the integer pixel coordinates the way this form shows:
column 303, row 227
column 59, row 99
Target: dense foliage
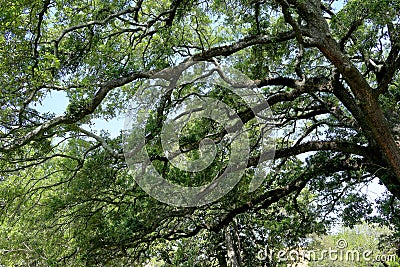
column 328, row 70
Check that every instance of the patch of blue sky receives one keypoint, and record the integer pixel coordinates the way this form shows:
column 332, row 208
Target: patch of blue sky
column 56, row 102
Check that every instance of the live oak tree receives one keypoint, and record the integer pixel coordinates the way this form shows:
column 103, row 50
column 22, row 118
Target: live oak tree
column 328, row 70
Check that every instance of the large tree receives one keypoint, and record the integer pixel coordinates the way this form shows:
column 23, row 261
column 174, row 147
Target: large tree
column 327, row 69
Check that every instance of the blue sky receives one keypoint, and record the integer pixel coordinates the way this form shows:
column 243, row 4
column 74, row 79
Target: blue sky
column 57, row 102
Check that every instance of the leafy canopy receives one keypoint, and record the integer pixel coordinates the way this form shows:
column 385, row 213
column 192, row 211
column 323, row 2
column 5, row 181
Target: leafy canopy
column 328, row 70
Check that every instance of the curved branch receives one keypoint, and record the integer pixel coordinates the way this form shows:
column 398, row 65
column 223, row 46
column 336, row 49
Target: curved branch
column 336, row 146
column 90, row 108
column 272, row 196
column 227, row 50
column 96, row 22
column 103, row 142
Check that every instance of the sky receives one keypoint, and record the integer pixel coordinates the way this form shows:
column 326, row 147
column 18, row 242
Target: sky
column 57, row 102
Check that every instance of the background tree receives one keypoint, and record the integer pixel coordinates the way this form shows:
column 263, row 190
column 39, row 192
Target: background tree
column 328, row 70
column 353, row 242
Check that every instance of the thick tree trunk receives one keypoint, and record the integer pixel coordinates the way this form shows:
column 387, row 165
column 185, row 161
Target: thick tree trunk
column 234, row 258
column 373, row 121
column 371, row 118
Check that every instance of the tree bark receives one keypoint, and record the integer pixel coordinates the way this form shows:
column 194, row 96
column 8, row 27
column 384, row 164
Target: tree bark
column 371, row 119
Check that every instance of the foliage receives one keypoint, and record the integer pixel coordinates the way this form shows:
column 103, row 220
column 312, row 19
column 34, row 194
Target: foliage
column 328, row 70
